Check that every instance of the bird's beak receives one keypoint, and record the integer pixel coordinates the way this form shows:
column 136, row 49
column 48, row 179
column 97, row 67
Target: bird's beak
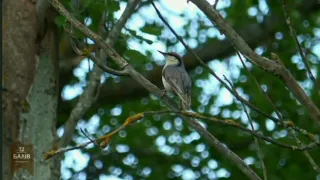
column 163, row 53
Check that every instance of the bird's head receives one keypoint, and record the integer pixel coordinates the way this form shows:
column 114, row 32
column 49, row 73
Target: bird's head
column 172, row 58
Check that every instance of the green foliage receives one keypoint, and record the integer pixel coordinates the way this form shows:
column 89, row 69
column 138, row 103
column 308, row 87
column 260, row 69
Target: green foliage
column 135, row 55
column 134, row 34
column 60, row 21
column 152, row 29
column 162, row 147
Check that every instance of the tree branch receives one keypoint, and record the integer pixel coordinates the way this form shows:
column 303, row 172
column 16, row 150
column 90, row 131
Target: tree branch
column 157, row 92
column 208, row 68
column 295, row 38
column 262, row 62
column 215, row 4
column 232, row 123
column 308, row 156
column 97, row 61
column 230, row 89
column 259, row 152
column 104, row 140
column 291, row 130
column 88, row 97
column 254, row 34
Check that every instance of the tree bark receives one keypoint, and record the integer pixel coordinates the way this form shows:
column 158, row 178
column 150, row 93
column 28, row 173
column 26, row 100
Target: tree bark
column 30, row 77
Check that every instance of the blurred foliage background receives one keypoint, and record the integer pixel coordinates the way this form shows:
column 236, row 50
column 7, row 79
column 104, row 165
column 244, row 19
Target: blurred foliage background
column 163, row 147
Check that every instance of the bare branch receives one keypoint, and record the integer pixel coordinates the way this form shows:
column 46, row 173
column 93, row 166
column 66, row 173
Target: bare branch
column 235, row 124
column 102, row 141
column 97, row 39
column 209, row 69
column 215, row 4
column 259, row 152
column 254, row 33
column 87, row 136
column 295, row 38
column 258, row 85
column 88, row 97
column 308, row 156
column 262, row 62
column 156, row 91
column 292, row 132
column 235, row 93
column 96, row 60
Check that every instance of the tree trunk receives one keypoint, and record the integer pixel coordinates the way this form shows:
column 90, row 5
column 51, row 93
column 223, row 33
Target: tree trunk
column 30, row 77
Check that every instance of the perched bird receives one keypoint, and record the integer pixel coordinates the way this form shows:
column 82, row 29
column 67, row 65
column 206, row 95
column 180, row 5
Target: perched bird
column 176, row 80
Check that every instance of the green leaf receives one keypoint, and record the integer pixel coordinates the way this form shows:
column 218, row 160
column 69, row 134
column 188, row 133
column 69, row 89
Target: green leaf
column 135, row 55
column 152, row 29
column 96, row 9
column 113, row 6
column 134, row 34
column 60, row 21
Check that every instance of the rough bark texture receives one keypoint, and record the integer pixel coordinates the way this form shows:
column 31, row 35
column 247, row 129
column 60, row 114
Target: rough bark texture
column 19, row 67
column 29, row 74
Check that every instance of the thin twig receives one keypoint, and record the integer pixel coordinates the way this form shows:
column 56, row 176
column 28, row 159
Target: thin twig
column 259, row 152
column 208, row 68
column 95, row 59
column 241, row 99
column 235, row 124
column 288, row 124
column 308, row 156
column 258, row 85
column 122, row 63
column 295, row 38
column 103, row 141
column 215, row 4
column 87, row 136
column 88, row 97
column 262, row 62
column 292, row 132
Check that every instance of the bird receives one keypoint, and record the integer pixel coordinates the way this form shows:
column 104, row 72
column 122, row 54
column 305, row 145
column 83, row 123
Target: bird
column 176, row 79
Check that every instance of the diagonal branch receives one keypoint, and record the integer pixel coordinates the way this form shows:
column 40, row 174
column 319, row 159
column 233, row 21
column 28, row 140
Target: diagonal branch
column 258, row 86
column 253, row 33
column 88, row 97
column 232, row 91
column 291, row 130
column 208, row 68
column 308, row 156
column 232, row 123
column 295, row 38
column 157, row 92
column 259, row 152
column 262, row 62
column 104, row 140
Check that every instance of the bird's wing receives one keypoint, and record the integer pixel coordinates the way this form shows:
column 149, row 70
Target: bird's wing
column 180, row 83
